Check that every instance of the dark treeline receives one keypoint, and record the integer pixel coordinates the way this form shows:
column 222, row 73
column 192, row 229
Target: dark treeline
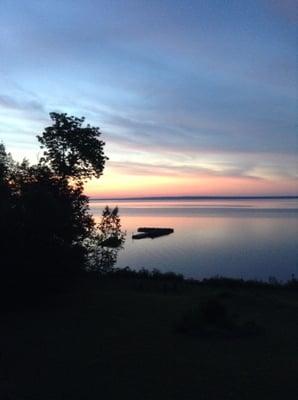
column 47, row 231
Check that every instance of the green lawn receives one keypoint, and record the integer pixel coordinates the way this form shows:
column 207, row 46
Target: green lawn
column 115, row 339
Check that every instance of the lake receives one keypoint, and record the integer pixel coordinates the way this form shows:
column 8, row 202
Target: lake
column 239, row 238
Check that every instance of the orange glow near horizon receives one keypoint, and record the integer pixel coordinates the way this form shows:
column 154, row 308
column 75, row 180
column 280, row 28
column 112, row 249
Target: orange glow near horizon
column 120, row 185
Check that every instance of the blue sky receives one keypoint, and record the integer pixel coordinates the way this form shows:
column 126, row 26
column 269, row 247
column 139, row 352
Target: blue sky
column 184, row 91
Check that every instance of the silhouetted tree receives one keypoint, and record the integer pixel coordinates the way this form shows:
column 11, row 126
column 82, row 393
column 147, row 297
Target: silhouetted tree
column 3, row 163
column 110, row 228
column 6, row 163
column 7, row 205
column 71, row 150
column 47, row 230
column 47, row 221
column 105, row 243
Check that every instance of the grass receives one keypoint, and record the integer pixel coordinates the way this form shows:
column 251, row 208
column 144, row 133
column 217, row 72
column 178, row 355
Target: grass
column 116, row 337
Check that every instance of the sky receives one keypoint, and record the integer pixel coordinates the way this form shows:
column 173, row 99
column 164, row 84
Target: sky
column 192, row 97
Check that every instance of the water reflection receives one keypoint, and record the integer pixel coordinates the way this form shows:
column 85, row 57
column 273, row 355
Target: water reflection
column 250, row 241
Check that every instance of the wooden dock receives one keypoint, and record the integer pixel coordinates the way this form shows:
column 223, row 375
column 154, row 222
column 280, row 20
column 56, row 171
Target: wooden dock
column 152, row 233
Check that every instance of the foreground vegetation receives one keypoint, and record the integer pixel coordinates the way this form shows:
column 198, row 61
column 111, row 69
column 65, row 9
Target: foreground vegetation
column 119, row 336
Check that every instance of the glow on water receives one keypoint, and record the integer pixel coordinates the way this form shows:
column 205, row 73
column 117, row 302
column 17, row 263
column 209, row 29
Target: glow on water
column 228, row 237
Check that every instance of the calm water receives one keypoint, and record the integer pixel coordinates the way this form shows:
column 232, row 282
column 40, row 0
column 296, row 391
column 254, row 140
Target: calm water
column 233, row 238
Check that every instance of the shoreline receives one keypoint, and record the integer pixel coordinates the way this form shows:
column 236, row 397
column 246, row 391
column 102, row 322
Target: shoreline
column 157, row 275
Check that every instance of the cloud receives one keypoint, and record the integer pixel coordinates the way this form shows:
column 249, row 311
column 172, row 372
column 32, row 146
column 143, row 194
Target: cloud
column 8, row 102
column 169, row 82
column 185, row 132
column 145, row 169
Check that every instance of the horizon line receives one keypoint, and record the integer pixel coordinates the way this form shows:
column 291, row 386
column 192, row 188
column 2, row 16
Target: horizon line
column 260, row 197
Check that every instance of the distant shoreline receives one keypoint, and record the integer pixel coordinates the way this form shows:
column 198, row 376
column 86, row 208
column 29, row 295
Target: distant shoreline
column 196, row 198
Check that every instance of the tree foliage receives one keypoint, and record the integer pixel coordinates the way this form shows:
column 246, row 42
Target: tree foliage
column 105, row 243
column 45, row 222
column 6, row 165
column 47, row 229
column 3, row 162
column 71, row 150
column 110, row 228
